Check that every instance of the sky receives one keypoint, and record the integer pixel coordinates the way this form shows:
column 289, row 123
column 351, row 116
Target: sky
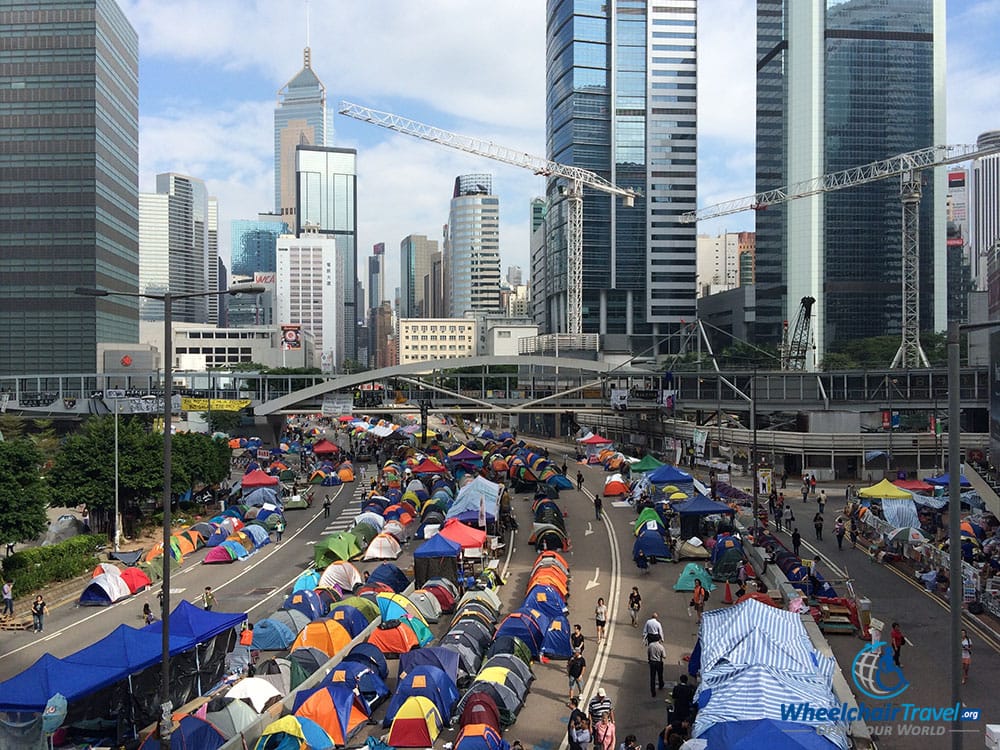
column 209, row 75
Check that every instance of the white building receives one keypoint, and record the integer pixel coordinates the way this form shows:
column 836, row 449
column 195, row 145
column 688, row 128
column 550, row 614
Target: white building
column 472, row 247
column 309, row 292
column 985, row 208
column 718, row 263
column 422, row 339
column 199, row 347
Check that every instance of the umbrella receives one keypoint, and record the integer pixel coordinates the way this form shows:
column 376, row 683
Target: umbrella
column 908, row 534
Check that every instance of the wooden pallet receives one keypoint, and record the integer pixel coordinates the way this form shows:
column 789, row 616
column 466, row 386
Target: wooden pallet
column 15, row 623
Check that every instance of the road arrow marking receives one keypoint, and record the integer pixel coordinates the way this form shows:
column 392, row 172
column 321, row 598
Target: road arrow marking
column 589, row 530
column 593, row 584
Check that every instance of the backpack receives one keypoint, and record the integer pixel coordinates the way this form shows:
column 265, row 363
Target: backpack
column 707, row 595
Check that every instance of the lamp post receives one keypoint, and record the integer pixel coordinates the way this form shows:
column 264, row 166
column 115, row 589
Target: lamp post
column 166, row 722
column 115, row 519
column 889, row 383
column 753, row 447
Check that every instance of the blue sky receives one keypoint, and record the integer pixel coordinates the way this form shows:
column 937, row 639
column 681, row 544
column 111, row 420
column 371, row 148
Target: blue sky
column 209, row 73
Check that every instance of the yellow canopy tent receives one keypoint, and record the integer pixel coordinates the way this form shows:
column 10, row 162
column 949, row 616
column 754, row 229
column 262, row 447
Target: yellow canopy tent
column 884, row 489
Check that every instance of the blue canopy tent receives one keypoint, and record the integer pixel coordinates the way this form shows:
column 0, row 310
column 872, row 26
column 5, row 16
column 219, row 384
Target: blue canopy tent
column 428, row 681
column 945, row 479
column 770, row 733
column 31, row 689
column 194, row 625
column 668, row 474
column 691, row 511
column 438, row 556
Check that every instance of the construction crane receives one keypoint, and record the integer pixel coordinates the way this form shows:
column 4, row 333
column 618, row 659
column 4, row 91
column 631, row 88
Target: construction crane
column 905, row 166
column 575, row 177
column 795, row 348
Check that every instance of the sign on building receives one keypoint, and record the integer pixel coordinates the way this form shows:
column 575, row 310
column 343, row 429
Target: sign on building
column 335, row 404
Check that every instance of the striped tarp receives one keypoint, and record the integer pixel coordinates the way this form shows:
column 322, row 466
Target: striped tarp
column 900, row 513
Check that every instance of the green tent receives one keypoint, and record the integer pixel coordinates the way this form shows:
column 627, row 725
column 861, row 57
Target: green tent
column 647, row 515
column 420, row 629
column 646, row 463
column 364, row 533
column 340, row 546
column 685, row 581
column 288, row 475
column 366, row 606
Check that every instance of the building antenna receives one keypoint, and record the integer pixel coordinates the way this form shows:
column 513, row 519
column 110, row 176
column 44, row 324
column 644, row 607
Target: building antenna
column 307, row 23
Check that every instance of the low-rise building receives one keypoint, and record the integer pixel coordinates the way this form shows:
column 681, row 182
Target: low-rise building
column 200, row 347
column 422, row 339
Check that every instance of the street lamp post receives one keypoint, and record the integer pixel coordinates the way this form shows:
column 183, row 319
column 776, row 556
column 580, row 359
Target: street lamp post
column 889, row 383
column 115, row 519
column 753, row 447
column 166, row 721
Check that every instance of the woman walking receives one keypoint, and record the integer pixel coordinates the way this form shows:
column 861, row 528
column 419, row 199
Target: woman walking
column 698, row 598
column 600, row 618
column 966, row 655
column 634, row 603
column 38, row 610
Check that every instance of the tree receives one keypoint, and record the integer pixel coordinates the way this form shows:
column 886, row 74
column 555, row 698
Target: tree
column 222, row 421
column 23, row 494
column 198, row 460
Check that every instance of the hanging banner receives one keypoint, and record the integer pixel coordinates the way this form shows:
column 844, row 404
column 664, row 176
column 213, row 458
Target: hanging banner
column 700, row 438
column 765, row 481
column 619, row 399
column 291, row 337
column 335, row 404
column 215, row 404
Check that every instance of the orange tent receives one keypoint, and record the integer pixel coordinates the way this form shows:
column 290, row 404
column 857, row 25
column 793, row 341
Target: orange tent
column 549, row 578
column 337, row 709
column 346, row 474
column 556, row 555
column 183, row 543
column 328, row 636
column 395, row 637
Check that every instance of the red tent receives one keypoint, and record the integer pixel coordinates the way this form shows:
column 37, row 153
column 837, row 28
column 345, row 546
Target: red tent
column 467, row 536
column 595, row 440
column 258, row 478
column 325, row 448
column 913, row 485
column 428, row 467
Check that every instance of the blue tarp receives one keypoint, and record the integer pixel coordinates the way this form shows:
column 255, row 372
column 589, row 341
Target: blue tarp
column 945, row 479
column 438, row 546
column 258, row 534
column 271, row 635
column 754, row 734
column 668, row 474
column 195, row 625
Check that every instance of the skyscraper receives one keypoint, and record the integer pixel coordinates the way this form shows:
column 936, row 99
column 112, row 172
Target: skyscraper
column 299, row 120
column 639, row 263
column 177, row 248
column 986, row 209
column 69, row 179
column 253, row 245
column 376, row 276
column 472, row 247
column 326, row 202
column 415, row 252
column 839, row 85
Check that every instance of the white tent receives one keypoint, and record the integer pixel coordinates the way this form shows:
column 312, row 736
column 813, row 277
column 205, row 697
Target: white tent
column 383, row 547
column 340, row 573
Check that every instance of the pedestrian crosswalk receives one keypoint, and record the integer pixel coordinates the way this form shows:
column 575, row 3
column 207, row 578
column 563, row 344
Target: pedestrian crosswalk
column 343, row 518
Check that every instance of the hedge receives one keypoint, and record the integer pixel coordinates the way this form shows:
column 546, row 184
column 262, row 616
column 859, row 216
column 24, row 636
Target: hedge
column 34, row 568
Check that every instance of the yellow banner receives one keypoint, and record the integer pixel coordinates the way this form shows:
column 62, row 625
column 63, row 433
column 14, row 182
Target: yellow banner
column 218, row 404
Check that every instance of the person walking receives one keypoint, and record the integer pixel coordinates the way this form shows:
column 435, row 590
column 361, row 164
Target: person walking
column 579, row 731
column 279, row 529
column 839, row 529
column 8, row 597
column 326, row 507
column 600, row 617
column 682, row 698
column 821, row 500
column 852, row 532
column 598, row 506
column 966, row 655
column 634, row 603
column 579, row 480
column 38, row 610
column 796, row 542
column 655, row 654
column 652, row 631
column 812, row 484
column 575, row 668
column 818, row 525
column 805, row 491
column 576, row 639
column 698, row 597
column 896, row 640
column 789, row 517
column 208, row 599
column 604, row 734
column 600, row 707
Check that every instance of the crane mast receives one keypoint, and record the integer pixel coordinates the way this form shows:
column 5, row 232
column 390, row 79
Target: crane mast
column 907, row 167
column 575, row 178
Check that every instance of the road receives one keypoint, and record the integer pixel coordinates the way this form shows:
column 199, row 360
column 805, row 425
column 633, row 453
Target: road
column 601, row 566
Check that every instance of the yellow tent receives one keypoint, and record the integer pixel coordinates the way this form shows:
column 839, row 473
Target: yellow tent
column 885, row 489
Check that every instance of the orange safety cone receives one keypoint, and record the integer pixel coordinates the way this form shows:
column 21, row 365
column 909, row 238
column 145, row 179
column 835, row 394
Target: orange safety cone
column 728, row 598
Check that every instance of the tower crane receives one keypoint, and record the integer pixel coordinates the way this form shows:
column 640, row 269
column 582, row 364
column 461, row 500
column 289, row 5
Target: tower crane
column 576, row 178
column 905, row 166
column 795, row 349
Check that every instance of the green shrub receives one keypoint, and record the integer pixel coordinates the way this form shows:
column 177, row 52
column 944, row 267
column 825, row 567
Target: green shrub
column 36, row 567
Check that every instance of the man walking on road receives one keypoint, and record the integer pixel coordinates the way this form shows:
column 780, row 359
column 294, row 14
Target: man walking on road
column 818, row 525
column 326, row 507
column 8, row 598
column 796, row 542
column 208, row 599
column 598, row 505
column 652, row 631
column 655, row 653
column 579, row 480
column 575, row 668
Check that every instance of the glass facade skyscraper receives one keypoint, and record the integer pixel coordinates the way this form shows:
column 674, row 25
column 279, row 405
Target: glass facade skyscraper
column 69, row 179
column 299, row 120
column 471, row 256
column 253, row 245
column 841, row 83
column 621, row 101
column 415, row 252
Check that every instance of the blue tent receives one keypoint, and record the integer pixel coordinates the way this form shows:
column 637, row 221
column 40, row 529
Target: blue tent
column 668, row 474
column 438, row 546
column 366, row 653
column 560, row 481
column 769, row 733
column 194, row 625
column 260, row 496
column 652, row 543
column 724, row 543
column 522, row 625
column 218, row 536
column 258, row 534
column 307, row 602
column 428, row 681
column 190, row 732
column 699, row 505
column 351, row 618
column 391, row 575
column 479, row 491
column 546, row 599
column 366, row 679
column 556, row 644
column 270, row 635
column 235, row 548
column 945, row 479
column 443, row 658
column 307, row 581
column 31, row 689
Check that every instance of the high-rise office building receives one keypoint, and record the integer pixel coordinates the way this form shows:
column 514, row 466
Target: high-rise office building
column 621, row 89
column 434, row 287
column 299, row 120
column 515, row 276
column 327, row 203
column 69, row 178
column 178, row 248
column 376, row 276
column 472, row 247
column 538, row 210
column 253, row 244
column 839, row 85
column 309, row 290
column 986, row 211
column 415, row 252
